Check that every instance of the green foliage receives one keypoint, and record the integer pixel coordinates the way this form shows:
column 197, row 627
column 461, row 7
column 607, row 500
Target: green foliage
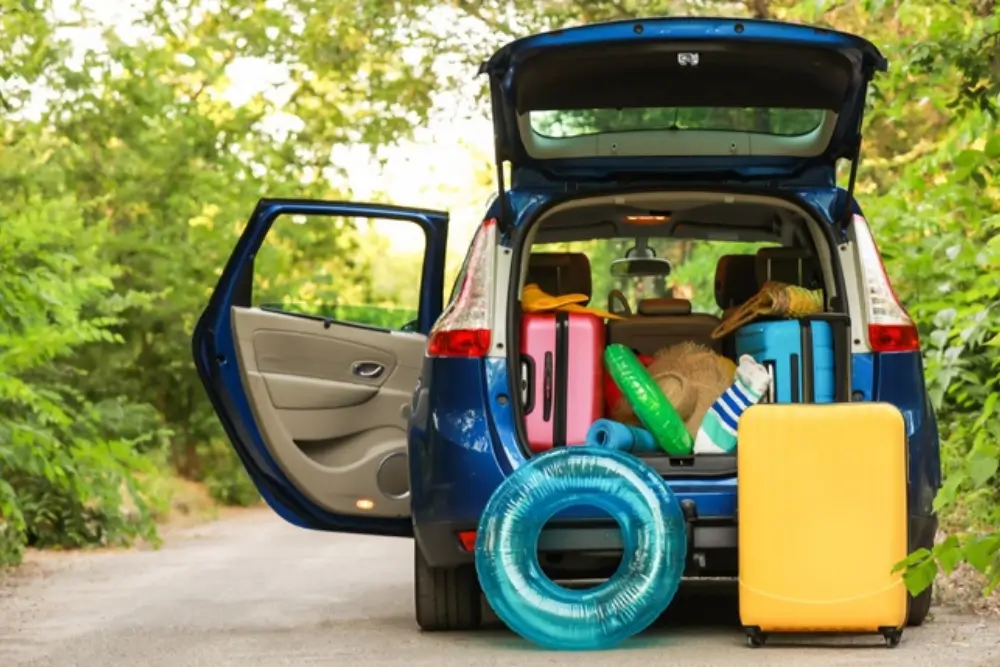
column 929, row 185
column 67, row 465
column 594, row 121
column 123, row 196
column 224, row 476
column 323, row 267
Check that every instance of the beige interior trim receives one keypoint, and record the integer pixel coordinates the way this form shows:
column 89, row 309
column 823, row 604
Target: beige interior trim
column 339, row 437
column 671, row 143
column 293, row 392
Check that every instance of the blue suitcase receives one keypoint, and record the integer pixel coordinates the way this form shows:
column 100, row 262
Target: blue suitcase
column 785, row 348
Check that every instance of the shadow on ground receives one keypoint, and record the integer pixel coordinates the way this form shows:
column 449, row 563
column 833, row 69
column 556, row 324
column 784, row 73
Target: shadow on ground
column 709, row 609
column 708, row 605
column 713, row 604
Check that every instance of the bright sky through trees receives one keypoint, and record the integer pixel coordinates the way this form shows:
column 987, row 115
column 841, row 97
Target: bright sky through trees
column 443, row 167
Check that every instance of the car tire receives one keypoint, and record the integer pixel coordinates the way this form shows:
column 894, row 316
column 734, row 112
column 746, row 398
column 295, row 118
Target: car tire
column 446, row 599
column 919, row 607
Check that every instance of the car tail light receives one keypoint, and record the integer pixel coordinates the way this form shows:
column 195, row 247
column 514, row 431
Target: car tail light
column 890, row 327
column 467, row 538
column 463, row 330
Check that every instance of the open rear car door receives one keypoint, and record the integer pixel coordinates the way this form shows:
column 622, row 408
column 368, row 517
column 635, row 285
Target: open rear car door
column 316, row 404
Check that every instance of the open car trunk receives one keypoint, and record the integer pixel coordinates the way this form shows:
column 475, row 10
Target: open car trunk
column 565, row 381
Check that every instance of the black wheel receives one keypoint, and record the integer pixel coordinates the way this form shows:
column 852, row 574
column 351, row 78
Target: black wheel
column 755, row 638
column 918, row 607
column 445, row 599
column 892, row 636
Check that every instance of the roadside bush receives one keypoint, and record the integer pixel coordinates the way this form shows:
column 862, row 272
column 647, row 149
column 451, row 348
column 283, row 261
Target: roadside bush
column 67, row 471
column 224, row 476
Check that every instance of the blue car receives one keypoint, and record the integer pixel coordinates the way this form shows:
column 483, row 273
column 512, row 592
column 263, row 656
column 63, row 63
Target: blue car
column 670, row 129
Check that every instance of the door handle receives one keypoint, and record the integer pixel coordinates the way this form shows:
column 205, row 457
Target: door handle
column 368, row 370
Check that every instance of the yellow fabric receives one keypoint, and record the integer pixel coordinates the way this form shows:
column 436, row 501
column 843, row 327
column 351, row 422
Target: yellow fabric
column 534, row 300
column 774, row 298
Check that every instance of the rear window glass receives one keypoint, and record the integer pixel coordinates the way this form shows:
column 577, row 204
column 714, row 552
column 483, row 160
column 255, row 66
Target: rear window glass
column 692, row 278
column 561, row 124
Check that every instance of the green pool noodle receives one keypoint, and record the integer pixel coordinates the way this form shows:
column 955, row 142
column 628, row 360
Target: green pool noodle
column 651, row 406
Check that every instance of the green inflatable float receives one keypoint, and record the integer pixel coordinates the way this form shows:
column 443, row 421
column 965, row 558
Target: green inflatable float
column 647, row 400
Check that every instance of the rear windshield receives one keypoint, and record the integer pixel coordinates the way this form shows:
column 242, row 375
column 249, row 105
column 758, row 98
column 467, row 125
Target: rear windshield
column 561, row 124
column 692, row 277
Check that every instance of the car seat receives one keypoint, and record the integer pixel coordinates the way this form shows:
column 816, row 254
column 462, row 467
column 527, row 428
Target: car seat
column 735, row 284
column 559, row 273
column 794, row 266
column 662, row 322
column 735, row 281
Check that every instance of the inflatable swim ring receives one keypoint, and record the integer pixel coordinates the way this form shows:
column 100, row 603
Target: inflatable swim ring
column 653, row 536
column 612, row 394
column 647, row 400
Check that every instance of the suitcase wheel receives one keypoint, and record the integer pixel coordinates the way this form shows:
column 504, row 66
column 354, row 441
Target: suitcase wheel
column 892, row 636
column 755, row 638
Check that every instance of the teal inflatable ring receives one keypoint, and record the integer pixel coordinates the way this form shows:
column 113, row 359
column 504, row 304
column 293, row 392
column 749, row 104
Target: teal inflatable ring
column 652, row 408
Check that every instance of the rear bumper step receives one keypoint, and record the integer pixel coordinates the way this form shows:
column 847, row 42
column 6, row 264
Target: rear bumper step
column 442, row 548
column 610, row 538
column 695, row 467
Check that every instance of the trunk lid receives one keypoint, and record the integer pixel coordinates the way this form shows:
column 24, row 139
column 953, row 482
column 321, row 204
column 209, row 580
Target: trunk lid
column 705, row 98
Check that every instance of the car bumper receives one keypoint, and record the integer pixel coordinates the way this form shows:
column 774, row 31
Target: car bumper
column 712, row 542
column 442, row 544
column 709, row 503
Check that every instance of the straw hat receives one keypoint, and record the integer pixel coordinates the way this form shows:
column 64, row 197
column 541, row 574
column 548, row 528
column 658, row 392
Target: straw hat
column 691, row 376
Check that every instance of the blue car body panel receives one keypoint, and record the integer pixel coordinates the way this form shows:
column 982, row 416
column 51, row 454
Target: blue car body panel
column 899, row 379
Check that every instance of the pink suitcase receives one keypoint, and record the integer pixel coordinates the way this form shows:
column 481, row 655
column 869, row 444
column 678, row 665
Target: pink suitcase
column 562, row 373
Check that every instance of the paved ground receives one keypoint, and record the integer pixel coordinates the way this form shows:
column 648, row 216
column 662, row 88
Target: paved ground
column 254, row 591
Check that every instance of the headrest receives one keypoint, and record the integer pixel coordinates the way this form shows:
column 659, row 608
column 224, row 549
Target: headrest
column 559, row 273
column 665, row 306
column 735, row 280
column 794, row 266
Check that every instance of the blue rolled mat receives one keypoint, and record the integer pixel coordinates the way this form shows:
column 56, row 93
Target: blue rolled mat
column 610, row 434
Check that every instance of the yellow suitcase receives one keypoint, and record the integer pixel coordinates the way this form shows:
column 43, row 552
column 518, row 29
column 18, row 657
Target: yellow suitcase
column 822, row 519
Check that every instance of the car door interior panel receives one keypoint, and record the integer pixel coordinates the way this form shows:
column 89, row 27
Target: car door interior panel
column 331, row 400
column 295, row 392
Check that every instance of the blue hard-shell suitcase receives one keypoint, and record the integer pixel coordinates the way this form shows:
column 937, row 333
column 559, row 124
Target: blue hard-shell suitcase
column 785, row 348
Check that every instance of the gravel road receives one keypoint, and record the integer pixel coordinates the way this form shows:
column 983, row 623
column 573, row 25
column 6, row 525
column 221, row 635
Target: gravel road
column 252, row 590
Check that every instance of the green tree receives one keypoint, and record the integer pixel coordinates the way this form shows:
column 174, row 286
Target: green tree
column 157, row 149
column 68, row 463
column 149, row 172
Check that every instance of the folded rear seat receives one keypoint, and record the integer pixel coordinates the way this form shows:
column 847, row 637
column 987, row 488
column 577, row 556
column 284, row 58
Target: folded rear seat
column 663, row 322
